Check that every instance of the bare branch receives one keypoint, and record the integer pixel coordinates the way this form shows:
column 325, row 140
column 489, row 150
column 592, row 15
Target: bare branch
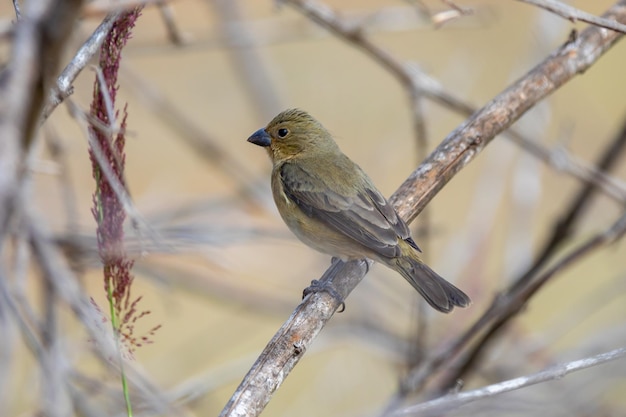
column 452, row 401
column 85, row 53
column 167, row 14
column 505, row 306
column 248, row 63
column 558, row 158
column 574, row 14
column 291, row 341
column 16, row 6
column 565, row 224
column 519, row 292
column 417, row 84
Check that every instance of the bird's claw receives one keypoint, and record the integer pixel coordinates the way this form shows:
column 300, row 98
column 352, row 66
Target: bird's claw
column 317, row 286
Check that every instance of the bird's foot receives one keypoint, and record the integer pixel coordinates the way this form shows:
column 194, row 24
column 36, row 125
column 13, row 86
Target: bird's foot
column 317, row 286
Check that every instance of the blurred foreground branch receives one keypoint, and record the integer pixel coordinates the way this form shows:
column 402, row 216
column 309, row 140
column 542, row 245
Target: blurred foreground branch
column 574, row 14
column 64, row 85
column 40, row 37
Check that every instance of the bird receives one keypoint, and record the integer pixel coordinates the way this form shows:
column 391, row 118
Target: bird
column 333, row 206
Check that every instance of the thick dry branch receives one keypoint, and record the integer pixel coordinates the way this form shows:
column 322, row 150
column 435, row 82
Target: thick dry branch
column 558, row 159
column 461, row 146
column 418, row 84
column 288, row 345
column 455, row 152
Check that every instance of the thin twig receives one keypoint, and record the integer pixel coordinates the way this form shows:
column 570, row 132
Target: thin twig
column 247, row 63
column 447, row 403
column 174, row 34
column 64, row 83
column 16, row 6
column 565, row 225
column 120, row 191
column 571, row 13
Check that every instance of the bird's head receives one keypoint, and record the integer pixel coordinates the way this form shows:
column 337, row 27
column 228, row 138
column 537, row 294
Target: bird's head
column 293, row 133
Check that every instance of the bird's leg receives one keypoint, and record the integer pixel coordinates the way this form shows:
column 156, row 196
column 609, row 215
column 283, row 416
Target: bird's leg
column 325, row 286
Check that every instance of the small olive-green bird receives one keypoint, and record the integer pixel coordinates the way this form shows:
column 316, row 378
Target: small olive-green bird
column 330, row 204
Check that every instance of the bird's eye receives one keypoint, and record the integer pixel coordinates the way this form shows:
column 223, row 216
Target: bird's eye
column 282, row 132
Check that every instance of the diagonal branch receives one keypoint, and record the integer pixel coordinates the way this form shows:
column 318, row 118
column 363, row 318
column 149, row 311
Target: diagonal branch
column 499, row 313
column 444, row 404
column 505, row 307
column 418, row 84
column 574, row 14
column 453, row 154
column 558, row 159
column 64, row 83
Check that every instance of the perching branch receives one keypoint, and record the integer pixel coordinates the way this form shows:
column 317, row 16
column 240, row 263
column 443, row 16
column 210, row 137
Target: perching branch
column 522, row 289
column 453, row 154
column 419, row 84
column 557, row 158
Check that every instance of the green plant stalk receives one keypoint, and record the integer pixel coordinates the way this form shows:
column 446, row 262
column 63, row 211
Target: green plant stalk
column 114, row 318
column 116, row 335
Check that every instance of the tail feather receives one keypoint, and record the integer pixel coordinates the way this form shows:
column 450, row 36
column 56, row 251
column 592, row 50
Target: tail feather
column 438, row 292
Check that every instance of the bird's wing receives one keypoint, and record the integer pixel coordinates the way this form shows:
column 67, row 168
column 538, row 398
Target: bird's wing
column 365, row 216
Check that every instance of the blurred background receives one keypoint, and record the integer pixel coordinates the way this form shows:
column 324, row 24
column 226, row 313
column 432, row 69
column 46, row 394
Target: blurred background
column 226, row 272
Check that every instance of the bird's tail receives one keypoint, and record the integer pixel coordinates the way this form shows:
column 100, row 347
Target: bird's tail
column 438, row 292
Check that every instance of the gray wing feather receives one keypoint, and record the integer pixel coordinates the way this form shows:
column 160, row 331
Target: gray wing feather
column 365, row 217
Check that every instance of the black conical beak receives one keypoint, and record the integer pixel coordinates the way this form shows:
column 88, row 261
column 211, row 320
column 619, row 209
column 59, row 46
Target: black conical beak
column 261, row 138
